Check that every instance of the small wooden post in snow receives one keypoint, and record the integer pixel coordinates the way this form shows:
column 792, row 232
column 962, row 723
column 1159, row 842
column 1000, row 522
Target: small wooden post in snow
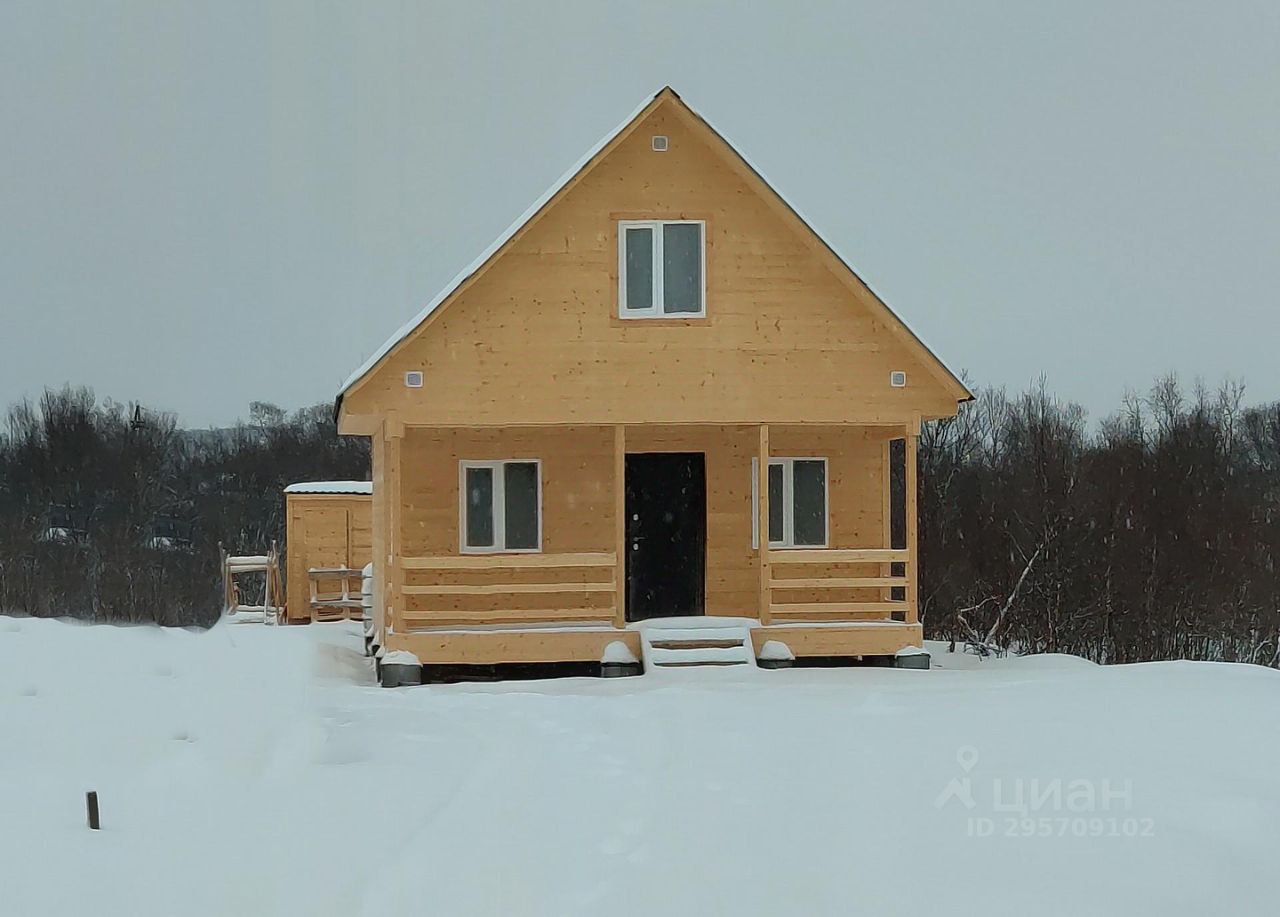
column 91, row 803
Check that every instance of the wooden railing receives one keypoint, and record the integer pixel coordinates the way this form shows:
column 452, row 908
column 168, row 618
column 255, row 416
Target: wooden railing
column 340, row 599
column 864, row 584
column 488, row 589
column 824, row 571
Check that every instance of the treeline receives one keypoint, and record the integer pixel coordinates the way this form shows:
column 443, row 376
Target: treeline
column 1151, row 535
column 113, row 513
column 1154, row 535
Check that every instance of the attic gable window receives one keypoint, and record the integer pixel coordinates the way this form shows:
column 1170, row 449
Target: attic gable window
column 661, row 269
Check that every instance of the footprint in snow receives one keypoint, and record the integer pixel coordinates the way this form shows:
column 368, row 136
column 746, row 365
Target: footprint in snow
column 29, row 691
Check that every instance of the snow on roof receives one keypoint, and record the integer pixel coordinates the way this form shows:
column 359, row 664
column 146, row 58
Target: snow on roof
column 507, row 234
column 330, row 487
column 831, row 248
column 489, row 252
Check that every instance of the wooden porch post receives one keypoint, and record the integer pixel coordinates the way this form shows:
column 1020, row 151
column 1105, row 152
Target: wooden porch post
column 394, row 589
column 762, row 525
column 620, row 525
column 886, row 514
column 377, row 529
column 913, row 566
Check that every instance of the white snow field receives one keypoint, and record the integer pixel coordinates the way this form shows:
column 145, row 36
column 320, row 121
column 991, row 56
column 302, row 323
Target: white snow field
column 257, row 770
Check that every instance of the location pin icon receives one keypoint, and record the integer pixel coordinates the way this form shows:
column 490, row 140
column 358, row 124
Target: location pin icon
column 967, row 757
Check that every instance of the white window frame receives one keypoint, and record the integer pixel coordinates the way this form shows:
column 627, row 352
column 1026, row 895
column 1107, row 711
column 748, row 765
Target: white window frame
column 656, row 308
column 499, row 506
column 788, row 502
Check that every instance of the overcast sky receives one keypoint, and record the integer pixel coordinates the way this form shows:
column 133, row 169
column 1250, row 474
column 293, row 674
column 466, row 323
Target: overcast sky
column 206, row 204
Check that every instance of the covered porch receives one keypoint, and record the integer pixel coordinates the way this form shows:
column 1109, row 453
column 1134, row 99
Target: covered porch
column 475, row 575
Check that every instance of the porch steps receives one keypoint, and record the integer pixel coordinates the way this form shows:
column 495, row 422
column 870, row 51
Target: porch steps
column 674, row 643
column 710, row 656
column 696, row 644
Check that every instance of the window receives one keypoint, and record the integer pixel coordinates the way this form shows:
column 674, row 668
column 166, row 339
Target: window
column 797, row 503
column 501, row 506
column 661, row 268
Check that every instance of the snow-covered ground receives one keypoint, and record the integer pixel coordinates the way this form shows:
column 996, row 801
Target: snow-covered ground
column 255, row 770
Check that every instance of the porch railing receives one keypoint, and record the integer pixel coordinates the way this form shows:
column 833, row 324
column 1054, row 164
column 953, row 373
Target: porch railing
column 503, row 589
column 862, row 584
column 826, row 584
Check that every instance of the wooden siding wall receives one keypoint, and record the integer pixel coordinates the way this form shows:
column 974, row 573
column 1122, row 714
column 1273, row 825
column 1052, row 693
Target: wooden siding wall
column 857, row 480
column 577, row 517
column 855, row 467
column 323, row 530
column 535, row 338
column 577, row 484
column 578, row 504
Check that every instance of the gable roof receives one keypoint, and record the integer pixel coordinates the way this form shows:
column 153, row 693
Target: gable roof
column 581, row 167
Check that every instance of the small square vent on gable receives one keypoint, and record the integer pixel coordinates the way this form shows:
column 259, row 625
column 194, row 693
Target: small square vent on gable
column 659, row 143
column 898, row 379
column 413, row 379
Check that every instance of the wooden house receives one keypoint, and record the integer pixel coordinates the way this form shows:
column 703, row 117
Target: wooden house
column 328, row 542
column 659, row 394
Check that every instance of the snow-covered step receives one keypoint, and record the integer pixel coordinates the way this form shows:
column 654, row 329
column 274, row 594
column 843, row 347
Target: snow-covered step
column 698, row 644
column 697, row 633
column 738, row 655
column 682, row 642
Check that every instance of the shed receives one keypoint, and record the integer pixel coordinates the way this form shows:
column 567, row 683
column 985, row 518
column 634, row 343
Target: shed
column 328, row 543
